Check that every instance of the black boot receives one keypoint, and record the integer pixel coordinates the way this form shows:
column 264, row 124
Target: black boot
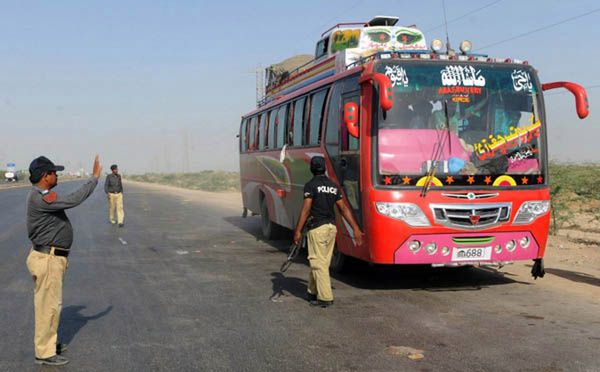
column 56, row 360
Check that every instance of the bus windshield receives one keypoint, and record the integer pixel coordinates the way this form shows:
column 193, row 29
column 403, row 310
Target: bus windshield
column 477, row 124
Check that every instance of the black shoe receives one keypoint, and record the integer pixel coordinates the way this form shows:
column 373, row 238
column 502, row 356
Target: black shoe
column 61, row 348
column 311, row 297
column 121, row 224
column 56, row 360
column 321, row 303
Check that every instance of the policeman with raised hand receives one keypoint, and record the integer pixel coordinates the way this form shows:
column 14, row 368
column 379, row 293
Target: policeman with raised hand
column 320, row 197
column 51, row 233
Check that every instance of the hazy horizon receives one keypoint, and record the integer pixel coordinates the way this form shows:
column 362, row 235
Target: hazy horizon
column 161, row 87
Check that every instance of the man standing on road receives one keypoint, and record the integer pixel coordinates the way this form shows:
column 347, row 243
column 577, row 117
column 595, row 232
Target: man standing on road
column 320, row 197
column 113, row 187
column 51, row 233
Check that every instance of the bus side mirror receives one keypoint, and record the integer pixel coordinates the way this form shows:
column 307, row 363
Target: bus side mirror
column 386, row 92
column 351, row 118
column 581, row 99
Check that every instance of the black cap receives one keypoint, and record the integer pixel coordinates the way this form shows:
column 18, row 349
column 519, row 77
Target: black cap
column 41, row 165
column 113, row 167
column 317, row 165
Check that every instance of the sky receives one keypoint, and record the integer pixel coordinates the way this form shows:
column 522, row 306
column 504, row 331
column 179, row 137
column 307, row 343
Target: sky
column 160, row 86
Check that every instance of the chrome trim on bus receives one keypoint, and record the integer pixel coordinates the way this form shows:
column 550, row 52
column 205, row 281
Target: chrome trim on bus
column 471, row 216
column 470, row 195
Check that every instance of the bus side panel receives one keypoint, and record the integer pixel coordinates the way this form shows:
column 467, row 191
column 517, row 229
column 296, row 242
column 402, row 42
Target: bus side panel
column 299, row 165
column 249, row 185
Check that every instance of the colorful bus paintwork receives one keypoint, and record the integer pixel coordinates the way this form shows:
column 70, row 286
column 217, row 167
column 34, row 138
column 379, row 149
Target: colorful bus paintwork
column 449, row 165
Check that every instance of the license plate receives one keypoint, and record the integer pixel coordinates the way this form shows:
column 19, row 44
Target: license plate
column 472, row 254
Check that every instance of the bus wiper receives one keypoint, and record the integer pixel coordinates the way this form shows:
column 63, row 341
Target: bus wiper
column 437, row 153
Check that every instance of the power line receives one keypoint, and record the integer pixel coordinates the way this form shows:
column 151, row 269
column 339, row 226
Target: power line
column 540, row 29
column 465, row 15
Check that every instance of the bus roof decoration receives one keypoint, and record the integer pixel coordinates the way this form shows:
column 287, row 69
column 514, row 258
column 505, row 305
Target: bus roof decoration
column 383, row 21
column 340, row 47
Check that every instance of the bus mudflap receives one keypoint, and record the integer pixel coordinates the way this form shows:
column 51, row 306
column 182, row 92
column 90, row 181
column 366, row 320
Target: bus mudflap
column 538, row 268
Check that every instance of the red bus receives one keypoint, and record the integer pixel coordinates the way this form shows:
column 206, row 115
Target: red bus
column 441, row 156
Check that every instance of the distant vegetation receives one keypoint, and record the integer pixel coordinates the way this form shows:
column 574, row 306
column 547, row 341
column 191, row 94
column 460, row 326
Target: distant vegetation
column 205, row 180
column 580, row 179
column 574, row 188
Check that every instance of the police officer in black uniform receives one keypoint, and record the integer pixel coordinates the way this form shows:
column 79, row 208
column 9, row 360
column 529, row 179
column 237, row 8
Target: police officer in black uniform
column 320, row 197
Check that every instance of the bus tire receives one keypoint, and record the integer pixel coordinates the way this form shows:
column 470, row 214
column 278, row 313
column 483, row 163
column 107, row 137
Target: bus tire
column 338, row 261
column 270, row 230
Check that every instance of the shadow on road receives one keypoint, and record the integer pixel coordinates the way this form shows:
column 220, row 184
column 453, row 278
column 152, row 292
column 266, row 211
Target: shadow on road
column 365, row 276
column 422, row 277
column 575, row 276
column 291, row 285
column 251, row 225
column 72, row 321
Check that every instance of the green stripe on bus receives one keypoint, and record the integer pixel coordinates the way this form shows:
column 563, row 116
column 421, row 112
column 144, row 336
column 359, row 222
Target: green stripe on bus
column 474, row 240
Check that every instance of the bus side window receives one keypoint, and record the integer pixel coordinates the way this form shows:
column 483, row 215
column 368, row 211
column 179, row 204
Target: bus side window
column 289, row 139
column 316, row 115
column 306, row 122
column 281, row 119
column 261, row 131
column 272, row 128
column 243, row 137
column 333, row 117
column 267, row 143
column 298, row 121
column 252, row 135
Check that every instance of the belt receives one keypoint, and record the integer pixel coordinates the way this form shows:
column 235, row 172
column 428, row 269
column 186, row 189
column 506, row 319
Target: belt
column 55, row 251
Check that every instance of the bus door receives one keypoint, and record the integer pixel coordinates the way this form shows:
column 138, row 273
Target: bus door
column 349, row 161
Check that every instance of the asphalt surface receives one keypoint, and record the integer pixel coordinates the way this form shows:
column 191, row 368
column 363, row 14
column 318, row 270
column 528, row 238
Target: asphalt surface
column 188, row 285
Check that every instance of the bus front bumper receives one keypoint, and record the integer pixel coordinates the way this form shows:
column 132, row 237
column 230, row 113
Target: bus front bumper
column 467, row 248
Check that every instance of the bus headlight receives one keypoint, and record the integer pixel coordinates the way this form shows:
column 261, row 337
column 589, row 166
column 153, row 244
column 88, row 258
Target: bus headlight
column 524, row 242
column 531, row 210
column 407, row 212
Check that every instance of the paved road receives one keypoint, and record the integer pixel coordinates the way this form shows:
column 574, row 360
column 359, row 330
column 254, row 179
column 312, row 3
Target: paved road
column 187, row 285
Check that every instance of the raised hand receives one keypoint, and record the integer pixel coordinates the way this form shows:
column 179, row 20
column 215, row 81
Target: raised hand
column 97, row 167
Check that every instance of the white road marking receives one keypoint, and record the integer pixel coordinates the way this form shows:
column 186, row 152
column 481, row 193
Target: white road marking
column 122, row 241
column 181, row 252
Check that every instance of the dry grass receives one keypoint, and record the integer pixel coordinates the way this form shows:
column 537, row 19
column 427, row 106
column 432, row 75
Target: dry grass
column 205, row 180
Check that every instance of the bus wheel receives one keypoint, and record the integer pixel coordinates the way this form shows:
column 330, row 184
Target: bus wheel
column 338, row 261
column 270, row 230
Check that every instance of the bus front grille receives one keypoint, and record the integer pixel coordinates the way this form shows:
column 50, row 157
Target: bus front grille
column 471, row 216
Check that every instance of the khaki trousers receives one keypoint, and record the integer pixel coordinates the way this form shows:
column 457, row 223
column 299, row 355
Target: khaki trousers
column 48, row 272
column 320, row 248
column 115, row 203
